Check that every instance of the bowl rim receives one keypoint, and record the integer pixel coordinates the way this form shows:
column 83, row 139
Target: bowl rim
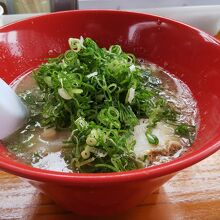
column 167, row 168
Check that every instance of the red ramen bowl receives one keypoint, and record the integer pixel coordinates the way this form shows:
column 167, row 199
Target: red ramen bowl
column 190, row 54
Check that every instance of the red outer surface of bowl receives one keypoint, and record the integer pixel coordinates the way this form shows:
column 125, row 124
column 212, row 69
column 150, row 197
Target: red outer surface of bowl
column 190, row 54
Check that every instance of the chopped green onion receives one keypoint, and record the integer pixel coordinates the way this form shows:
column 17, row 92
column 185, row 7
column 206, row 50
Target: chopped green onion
column 182, row 130
column 76, row 91
column 75, row 44
column 116, row 49
column 91, row 141
column 48, row 81
column 130, row 95
column 152, row 139
column 92, row 74
column 132, row 68
column 99, row 95
column 64, row 94
column 81, row 124
column 85, row 154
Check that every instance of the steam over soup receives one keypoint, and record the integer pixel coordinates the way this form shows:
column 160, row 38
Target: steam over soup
column 101, row 110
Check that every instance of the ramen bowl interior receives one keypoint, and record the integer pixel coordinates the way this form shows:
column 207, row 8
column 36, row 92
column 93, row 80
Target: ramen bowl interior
column 191, row 55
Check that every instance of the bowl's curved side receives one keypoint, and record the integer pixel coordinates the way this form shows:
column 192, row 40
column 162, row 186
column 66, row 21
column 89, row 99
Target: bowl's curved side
column 190, row 54
column 102, row 200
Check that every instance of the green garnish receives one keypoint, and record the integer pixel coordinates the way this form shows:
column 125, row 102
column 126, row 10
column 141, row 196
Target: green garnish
column 152, row 139
column 100, row 94
column 186, row 131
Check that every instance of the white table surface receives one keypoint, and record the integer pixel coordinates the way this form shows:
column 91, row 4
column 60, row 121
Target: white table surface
column 206, row 18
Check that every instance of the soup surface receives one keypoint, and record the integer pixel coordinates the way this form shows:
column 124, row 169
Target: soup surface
column 83, row 118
